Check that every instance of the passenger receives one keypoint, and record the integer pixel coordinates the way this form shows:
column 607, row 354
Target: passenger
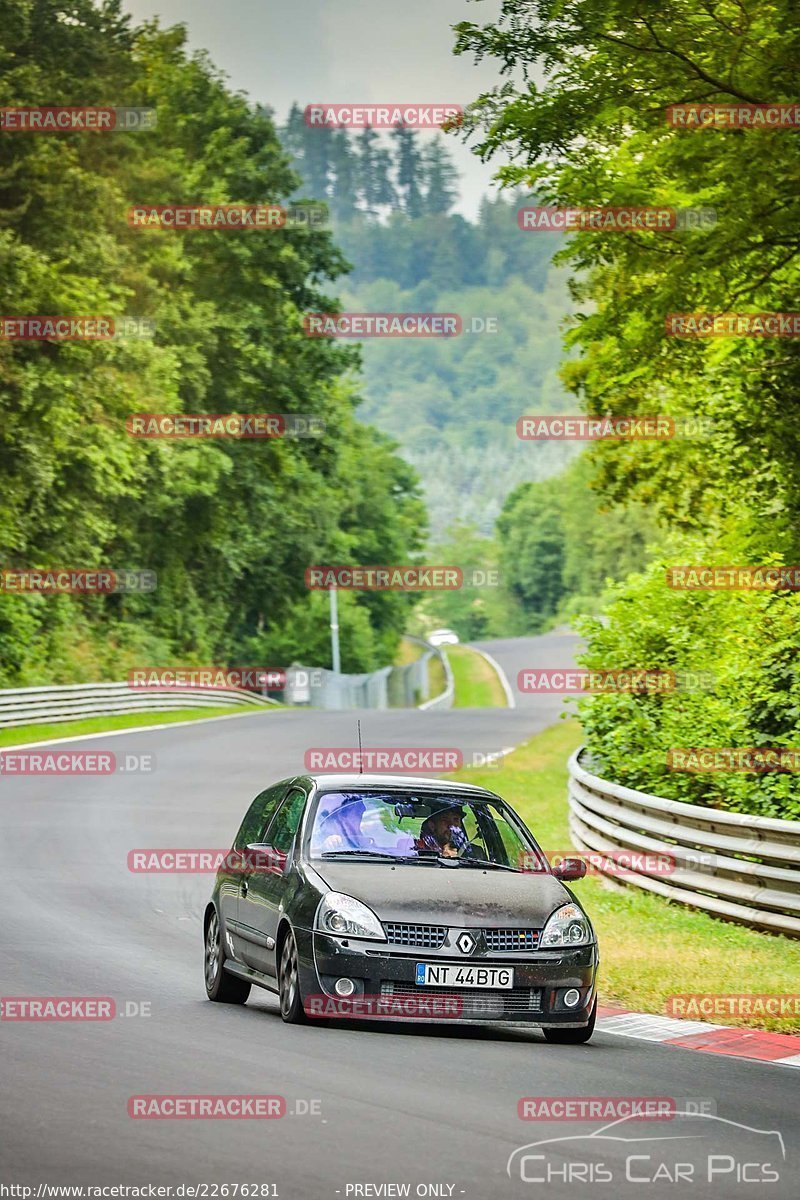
column 444, row 831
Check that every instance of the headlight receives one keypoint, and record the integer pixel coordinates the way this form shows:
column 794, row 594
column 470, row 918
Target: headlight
column 348, row 917
column 567, row 926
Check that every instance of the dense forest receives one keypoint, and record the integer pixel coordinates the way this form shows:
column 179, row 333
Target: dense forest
column 495, row 502
column 595, row 131
column 227, row 526
column 451, row 404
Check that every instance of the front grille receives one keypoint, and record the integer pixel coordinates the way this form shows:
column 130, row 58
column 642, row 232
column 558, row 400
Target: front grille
column 486, row 1002
column 430, row 936
column 511, row 939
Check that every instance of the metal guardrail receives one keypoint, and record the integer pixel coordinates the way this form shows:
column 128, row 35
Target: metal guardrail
column 445, row 698
column 73, row 702
column 407, row 686
column 734, row 865
column 398, row 687
column 334, row 690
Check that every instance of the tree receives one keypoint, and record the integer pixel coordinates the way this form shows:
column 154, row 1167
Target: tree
column 228, row 526
column 318, row 169
column 531, row 538
column 293, row 137
column 595, row 132
column 441, row 179
column 345, row 175
column 453, row 404
column 474, row 610
column 409, row 172
column 375, row 186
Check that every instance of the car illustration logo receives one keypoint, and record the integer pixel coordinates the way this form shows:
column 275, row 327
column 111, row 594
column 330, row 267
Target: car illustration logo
column 466, row 943
column 696, row 1146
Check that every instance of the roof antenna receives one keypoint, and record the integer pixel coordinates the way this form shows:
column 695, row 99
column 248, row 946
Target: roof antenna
column 360, row 752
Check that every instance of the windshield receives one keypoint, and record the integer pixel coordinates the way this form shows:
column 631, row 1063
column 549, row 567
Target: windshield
column 414, row 829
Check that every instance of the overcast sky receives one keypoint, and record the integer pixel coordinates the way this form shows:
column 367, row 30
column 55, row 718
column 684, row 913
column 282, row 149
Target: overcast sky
column 342, row 51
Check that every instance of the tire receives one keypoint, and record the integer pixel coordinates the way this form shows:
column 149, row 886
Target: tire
column 573, row 1037
column 220, row 986
column 289, row 982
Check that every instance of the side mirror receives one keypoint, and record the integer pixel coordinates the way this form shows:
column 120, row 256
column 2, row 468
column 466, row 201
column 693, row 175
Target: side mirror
column 259, row 857
column 570, row 868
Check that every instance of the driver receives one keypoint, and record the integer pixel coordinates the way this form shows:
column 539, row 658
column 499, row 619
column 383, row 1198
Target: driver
column 343, row 827
column 444, row 831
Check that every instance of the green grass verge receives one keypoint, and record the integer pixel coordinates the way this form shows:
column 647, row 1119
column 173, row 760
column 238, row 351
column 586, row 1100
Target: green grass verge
column 476, row 681
column 437, row 680
column 650, row 949
column 407, row 652
column 21, row 734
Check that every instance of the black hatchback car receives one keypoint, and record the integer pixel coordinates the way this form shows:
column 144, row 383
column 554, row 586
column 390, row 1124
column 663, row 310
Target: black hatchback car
column 402, row 898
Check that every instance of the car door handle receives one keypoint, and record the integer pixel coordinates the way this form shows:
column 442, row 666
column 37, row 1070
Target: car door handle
column 245, row 886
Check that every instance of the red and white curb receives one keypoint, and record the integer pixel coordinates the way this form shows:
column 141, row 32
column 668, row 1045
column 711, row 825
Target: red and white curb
column 783, row 1049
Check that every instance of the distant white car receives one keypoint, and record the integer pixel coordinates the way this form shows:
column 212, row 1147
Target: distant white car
column 443, row 637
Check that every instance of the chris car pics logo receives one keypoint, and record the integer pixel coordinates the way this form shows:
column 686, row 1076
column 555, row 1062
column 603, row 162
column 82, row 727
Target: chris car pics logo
column 700, row 1148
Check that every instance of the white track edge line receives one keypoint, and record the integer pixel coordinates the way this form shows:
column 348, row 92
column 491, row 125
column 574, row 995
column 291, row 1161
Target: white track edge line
column 90, row 737
column 501, row 675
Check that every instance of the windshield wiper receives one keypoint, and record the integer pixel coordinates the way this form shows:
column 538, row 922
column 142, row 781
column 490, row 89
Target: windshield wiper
column 485, row 862
column 379, row 854
column 382, row 856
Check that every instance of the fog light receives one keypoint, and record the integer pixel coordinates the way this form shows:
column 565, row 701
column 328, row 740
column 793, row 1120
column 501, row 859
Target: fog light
column 344, row 987
column 571, row 998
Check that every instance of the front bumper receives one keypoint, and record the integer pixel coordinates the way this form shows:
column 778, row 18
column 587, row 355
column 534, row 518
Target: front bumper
column 386, row 987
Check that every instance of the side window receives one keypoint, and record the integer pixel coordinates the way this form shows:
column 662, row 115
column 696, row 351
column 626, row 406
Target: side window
column 259, row 815
column 475, row 833
column 509, row 849
column 284, row 827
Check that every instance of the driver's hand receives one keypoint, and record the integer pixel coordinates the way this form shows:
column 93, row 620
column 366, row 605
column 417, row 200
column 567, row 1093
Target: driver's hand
column 334, row 842
column 449, row 850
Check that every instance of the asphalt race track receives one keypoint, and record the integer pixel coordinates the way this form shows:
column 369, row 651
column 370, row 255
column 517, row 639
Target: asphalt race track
column 392, row 1104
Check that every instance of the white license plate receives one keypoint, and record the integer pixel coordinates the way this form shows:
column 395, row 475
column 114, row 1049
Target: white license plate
column 449, row 975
